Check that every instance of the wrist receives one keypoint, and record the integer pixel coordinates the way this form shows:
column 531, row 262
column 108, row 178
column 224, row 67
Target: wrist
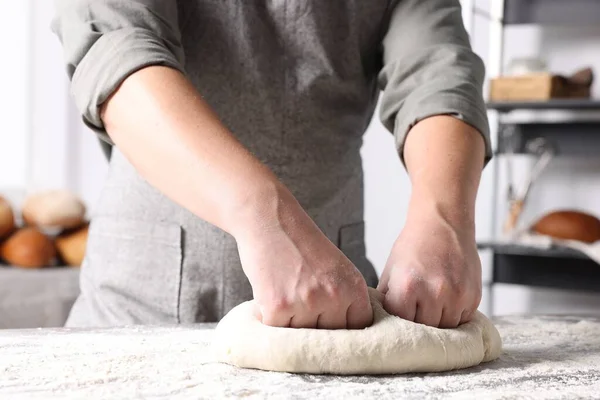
column 456, row 211
column 261, row 209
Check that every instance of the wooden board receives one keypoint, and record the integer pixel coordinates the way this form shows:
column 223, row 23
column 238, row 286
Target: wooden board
column 535, row 87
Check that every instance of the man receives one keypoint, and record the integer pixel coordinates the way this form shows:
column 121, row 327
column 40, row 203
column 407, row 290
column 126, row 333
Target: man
column 235, row 169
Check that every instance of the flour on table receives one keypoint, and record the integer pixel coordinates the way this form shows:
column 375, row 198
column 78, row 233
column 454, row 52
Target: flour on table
column 546, row 357
column 390, row 346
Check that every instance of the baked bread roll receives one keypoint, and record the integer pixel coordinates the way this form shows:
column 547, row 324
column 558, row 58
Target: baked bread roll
column 569, row 225
column 28, row 247
column 7, row 218
column 71, row 245
column 54, row 209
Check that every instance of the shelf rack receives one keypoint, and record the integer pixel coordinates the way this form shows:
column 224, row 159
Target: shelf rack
column 572, row 124
column 556, row 267
column 547, row 12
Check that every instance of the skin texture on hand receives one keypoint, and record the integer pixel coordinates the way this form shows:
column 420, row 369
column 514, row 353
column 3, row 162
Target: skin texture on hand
column 177, row 143
column 299, row 278
column 433, row 274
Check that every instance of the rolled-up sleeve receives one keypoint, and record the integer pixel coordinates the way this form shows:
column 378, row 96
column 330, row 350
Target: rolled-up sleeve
column 105, row 41
column 429, row 69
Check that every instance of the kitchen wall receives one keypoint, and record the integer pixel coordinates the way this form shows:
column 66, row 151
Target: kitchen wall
column 14, row 141
column 45, row 145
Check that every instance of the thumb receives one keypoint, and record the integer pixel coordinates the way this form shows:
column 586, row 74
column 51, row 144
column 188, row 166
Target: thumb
column 256, row 311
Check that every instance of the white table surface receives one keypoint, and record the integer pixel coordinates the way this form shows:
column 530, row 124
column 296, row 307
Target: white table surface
column 544, row 357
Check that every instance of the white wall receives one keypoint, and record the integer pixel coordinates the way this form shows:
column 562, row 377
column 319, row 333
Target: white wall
column 66, row 154
column 62, row 152
column 16, row 95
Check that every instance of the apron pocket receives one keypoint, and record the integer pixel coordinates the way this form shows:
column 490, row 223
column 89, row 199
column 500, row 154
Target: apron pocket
column 351, row 241
column 134, row 268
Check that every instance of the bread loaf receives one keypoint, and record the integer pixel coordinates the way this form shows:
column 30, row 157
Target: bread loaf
column 569, row 225
column 7, row 219
column 28, row 247
column 54, row 209
column 71, row 245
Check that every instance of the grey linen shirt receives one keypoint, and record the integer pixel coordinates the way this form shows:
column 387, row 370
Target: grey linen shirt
column 428, row 67
column 297, row 83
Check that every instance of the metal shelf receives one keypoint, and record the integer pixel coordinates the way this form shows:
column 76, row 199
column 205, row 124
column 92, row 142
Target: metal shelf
column 559, row 268
column 577, row 139
column 529, row 251
column 554, row 104
column 551, row 12
column 573, row 125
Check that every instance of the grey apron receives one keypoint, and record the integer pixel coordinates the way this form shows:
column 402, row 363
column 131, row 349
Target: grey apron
column 297, row 83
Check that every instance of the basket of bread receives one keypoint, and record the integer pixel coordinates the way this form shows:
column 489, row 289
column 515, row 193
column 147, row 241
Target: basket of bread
column 49, row 229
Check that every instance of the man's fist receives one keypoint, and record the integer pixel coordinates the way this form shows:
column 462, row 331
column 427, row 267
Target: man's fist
column 299, row 278
column 433, row 275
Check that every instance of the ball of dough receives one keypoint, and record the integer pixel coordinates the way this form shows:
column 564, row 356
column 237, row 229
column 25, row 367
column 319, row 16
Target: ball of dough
column 28, row 247
column 54, row 209
column 569, row 225
column 7, row 218
column 391, row 345
column 71, row 245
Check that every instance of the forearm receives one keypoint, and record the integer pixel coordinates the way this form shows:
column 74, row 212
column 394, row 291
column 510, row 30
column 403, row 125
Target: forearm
column 444, row 157
column 169, row 133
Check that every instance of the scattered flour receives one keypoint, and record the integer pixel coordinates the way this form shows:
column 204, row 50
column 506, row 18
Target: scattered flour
column 544, row 357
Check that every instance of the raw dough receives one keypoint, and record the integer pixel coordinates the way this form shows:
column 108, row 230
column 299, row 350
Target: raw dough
column 390, row 346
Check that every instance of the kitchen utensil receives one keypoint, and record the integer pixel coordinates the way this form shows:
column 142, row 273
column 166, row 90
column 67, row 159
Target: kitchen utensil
column 545, row 150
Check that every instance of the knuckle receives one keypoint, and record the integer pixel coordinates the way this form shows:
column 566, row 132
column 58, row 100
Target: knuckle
column 445, row 289
column 459, row 291
column 361, row 302
column 466, row 316
column 441, row 289
column 334, row 291
column 449, row 323
column 310, row 299
column 364, row 297
column 411, row 285
column 278, row 305
column 335, row 301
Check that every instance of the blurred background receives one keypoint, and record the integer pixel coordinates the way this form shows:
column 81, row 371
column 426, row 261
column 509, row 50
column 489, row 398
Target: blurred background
column 545, row 121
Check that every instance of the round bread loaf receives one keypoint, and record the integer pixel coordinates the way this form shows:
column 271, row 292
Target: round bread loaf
column 7, row 218
column 54, row 209
column 28, row 247
column 569, row 225
column 71, row 245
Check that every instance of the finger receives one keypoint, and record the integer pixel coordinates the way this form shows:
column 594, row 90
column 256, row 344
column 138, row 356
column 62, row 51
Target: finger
column 279, row 319
column 403, row 307
column 383, row 286
column 466, row 316
column 384, row 280
column 332, row 319
column 450, row 318
column 256, row 312
column 380, row 297
column 428, row 314
column 359, row 315
column 304, row 321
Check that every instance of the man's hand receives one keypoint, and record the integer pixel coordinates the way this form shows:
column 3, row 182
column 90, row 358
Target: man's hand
column 180, row 146
column 433, row 275
column 299, row 278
